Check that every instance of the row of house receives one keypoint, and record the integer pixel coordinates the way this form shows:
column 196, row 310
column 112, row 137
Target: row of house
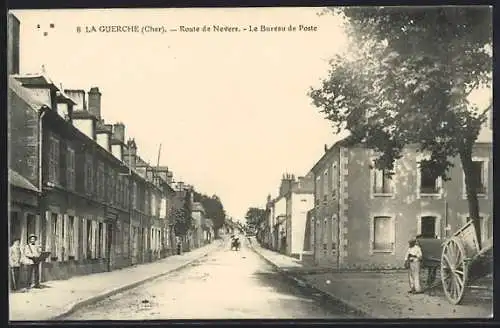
column 346, row 214
column 81, row 187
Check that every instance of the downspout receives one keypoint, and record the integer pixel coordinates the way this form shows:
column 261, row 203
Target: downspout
column 40, row 143
column 41, row 209
column 338, row 205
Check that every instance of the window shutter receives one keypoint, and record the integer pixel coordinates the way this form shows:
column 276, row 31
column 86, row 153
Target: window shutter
column 76, row 238
column 104, row 240
column 65, row 250
column 48, row 233
column 59, row 236
column 84, row 237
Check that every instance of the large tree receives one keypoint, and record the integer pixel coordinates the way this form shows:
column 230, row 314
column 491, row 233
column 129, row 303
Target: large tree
column 255, row 216
column 213, row 209
column 181, row 215
column 406, row 82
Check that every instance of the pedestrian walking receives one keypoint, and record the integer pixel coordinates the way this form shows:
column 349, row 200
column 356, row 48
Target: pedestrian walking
column 15, row 263
column 32, row 253
column 413, row 261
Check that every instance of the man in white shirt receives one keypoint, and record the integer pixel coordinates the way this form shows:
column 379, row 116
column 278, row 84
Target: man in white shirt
column 32, row 252
column 413, row 260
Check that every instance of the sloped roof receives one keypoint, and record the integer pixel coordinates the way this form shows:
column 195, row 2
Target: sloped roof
column 17, row 180
column 343, row 138
column 26, row 95
column 34, row 80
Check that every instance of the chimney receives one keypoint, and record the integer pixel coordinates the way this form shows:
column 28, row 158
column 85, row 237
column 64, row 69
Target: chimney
column 13, row 28
column 119, row 132
column 78, row 96
column 170, row 177
column 326, row 148
column 132, row 153
column 95, row 102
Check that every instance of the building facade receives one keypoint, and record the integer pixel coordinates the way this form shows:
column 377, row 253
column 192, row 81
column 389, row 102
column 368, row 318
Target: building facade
column 198, row 214
column 97, row 206
column 364, row 219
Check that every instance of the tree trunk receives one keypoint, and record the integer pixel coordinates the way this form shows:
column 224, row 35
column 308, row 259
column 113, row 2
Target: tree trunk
column 471, row 189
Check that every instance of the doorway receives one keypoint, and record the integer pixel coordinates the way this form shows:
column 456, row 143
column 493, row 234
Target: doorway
column 109, row 244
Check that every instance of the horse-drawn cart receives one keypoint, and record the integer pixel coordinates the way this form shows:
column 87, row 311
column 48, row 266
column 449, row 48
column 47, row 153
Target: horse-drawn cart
column 460, row 259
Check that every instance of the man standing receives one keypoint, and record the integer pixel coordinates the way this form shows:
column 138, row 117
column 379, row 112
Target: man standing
column 32, row 252
column 413, row 259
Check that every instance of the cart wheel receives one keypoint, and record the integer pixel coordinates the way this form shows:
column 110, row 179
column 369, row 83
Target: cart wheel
column 454, row 270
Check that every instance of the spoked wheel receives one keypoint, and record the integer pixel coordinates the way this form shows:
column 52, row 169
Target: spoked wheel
column 454, row 270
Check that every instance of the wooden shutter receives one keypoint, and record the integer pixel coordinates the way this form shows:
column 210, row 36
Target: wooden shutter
column 84, row 237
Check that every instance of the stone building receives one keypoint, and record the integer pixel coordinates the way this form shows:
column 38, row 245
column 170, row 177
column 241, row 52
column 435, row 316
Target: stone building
column 363, row 219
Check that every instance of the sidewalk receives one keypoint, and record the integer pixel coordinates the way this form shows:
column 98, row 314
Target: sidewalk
column 60, row 297
column 384, row 294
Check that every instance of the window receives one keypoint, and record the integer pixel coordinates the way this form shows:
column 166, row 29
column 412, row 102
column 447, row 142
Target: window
column 126, row 192
column 325, row 184
column 100, row 180
column 383, row 234
column 110, row 185
column 333, row 231
column 428, row 227
column 429, row 182
column 116, row 187
column 89, row 174
column 324, row 234
column 134, row 195
column 54, row 234
column 70, row 169
column 71, row 237
column 334, row 178
column 479, row 175
column 120, row 190
column 99, row 240
column 381, row 182
column 147, row 198
column 54, row 160
column 153, row 204
column 317, row 189
column 311, row 237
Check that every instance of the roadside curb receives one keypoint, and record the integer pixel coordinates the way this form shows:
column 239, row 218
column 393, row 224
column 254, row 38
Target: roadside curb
column 99, row 297
column 351, row 307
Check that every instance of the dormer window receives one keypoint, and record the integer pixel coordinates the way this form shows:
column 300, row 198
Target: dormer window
column 63, row 111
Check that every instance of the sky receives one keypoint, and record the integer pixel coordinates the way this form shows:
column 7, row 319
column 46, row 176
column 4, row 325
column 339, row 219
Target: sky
column 230, row 109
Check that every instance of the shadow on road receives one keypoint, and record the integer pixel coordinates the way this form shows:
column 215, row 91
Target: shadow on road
column 284, row 285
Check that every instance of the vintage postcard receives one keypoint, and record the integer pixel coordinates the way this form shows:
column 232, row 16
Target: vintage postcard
column 250, row 163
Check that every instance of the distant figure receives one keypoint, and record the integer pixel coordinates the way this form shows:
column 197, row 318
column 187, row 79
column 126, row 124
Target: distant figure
column 15, row 263
column 413, row 260
column 32, row 252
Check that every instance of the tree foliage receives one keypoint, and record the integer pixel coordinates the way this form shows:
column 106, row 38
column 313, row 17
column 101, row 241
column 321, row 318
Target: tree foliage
column 213, row 208
column 406, row 82
column 181, row 216
column 255, row 216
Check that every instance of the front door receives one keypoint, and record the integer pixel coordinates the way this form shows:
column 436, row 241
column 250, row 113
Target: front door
column 109, row 243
